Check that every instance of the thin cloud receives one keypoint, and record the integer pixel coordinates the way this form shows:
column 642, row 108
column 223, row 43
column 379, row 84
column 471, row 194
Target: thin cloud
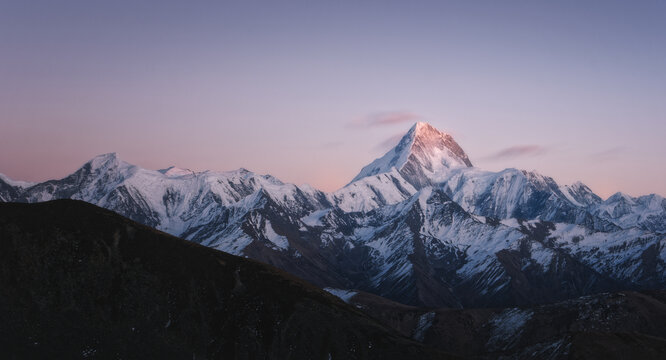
column 390, row 142
column 609, row 154
column 332, row 145
column 386, row 119
column 518, row 151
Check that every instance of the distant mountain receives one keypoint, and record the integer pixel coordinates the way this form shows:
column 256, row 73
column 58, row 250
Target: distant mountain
column 646, row 212
column 79, row 281
column 419, row 225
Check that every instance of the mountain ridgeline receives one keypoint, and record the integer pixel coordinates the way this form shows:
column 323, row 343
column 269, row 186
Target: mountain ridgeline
column 82, row 282
column 420, row 225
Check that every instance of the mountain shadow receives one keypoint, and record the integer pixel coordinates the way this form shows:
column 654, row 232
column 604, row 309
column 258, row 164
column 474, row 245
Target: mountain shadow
column 79, row 281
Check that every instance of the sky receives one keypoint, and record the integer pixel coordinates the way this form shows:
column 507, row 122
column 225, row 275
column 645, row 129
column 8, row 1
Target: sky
column 312, row 91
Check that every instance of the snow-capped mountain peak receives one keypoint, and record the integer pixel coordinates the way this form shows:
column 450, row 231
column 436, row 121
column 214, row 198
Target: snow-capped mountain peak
column 424, row 228
column 102, row 166
column 580, row 194
column 421, row 156
column 15, row 183
column 104, row 160
column 620, row 196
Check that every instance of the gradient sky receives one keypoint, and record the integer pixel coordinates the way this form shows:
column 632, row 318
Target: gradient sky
column 312, row 91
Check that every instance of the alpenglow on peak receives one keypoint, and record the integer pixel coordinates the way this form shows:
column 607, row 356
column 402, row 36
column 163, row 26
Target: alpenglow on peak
column 421, row 154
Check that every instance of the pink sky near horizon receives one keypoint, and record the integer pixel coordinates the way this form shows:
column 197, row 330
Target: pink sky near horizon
column 308, row 169
column 310, row 93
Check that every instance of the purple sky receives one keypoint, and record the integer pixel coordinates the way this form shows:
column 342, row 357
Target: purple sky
column 312, row 92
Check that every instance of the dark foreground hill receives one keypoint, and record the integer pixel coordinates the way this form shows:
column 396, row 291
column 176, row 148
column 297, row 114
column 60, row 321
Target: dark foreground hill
column 419, row 225
column 625, row 325
column 79, row 281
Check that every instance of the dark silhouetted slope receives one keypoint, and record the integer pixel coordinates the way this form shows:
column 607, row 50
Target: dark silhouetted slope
column 79, row 281
column 625, row 325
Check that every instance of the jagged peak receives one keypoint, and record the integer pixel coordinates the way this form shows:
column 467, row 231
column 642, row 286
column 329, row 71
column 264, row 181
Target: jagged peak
column 15, row 183
column 422, row 154
column 579, row 184
column 104, row 161
column 105, row 157
column 580, row 194
column 422, row 128
column 620, row 196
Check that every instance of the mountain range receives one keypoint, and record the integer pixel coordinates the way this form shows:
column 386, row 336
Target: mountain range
column 82, row 282
column 420, row 225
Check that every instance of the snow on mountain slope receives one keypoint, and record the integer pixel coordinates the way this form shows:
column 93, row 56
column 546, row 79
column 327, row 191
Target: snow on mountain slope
column 93, row 179
column 425, row 156
column 373, row 191
column 16, row 183
column 419, row 225
column 647, row 212
column 427, row 250
column 513, row 193
column 580, row 195
column 166, row 200
column 343, row 294
column 422, row 154
column 9, row 189
column 631, row 255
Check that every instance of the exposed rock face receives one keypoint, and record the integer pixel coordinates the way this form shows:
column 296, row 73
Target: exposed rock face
column 626, row 325
column 647, row 212
column 420, row 156
column 79, row 281
column 419, row 225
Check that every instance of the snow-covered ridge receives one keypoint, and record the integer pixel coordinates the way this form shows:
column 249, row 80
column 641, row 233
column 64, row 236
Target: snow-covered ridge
column 647, row 211
column 173, row 200
column 425, row 156
column 423, row 227
column 374, row 191
column 344, row 295
column 173, row 171
column 16, row 183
